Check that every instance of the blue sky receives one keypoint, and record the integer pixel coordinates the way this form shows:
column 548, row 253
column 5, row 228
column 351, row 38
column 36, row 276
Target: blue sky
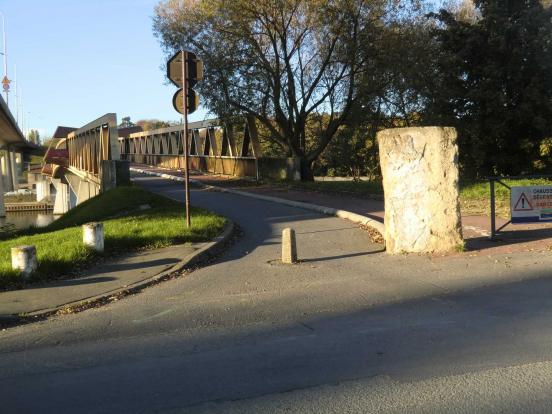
column 79, row 59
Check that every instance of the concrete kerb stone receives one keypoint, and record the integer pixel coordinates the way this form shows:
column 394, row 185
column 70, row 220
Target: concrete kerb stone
column 211, row 249
column 344, row 214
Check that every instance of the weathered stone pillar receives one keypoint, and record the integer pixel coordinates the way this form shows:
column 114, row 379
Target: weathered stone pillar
column 420, row 181
column 93, row 236
column 24, row 259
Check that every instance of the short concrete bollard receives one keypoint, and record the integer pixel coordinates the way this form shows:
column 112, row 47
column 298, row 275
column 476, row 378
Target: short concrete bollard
column 289, row 247
column 24, row 260
column 93, row 236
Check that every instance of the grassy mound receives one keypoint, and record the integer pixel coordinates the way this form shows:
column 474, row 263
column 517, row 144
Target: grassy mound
column 133, row 219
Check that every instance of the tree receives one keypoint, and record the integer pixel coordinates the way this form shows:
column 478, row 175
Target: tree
column 126, row 122
column 34, row 136
column 494, row 84
column 150, row 124
column 283, row 61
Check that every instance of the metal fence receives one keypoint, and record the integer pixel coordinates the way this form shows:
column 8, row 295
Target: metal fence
column 90, row 145
column 214, row 147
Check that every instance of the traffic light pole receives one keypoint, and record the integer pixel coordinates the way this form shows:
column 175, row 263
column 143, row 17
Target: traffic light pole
column 186, row 146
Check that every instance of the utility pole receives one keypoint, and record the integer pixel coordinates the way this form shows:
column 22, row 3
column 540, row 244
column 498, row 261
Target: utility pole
column 16, row 94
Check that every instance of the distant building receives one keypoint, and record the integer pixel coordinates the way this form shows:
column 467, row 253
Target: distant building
column 125, row 132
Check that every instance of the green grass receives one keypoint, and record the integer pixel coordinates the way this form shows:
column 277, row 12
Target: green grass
column 36, row 159
column 359, row 188
column 60, row 249
column 474, row 197
column 20, row 198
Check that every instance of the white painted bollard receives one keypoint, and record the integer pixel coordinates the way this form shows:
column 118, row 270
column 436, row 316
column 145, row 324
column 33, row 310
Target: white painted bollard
column 93, row 236
column 289, row 247
column 24, row 260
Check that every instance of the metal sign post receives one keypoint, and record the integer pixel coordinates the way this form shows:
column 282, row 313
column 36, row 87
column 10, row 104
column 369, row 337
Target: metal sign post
column 185, row 121
column 184, row 69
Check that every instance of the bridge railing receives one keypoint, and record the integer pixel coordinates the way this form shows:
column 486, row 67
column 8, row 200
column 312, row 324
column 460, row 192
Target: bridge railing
column 214, row 147
column 90, row 145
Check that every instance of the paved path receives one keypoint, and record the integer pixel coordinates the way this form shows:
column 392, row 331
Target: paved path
column 476, row 229
column 347, row 330
column 109, row 276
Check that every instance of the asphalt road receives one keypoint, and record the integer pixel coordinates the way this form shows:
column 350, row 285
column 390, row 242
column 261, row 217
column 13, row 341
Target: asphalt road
column 347, row 330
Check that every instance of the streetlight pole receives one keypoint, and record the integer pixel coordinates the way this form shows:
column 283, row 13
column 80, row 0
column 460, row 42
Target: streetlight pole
column 5, row 56
column 16, row 97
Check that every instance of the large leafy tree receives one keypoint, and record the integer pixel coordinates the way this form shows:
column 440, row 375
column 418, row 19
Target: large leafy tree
column 494, row 84
column 285, row 61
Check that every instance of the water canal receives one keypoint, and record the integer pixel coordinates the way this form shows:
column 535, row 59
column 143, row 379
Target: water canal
column 25, row 219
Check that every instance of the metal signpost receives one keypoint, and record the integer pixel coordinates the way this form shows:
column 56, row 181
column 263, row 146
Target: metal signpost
column 184, row 69
column 528, row 204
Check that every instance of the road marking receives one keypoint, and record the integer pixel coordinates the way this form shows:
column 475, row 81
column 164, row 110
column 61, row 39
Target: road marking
column 157, row 315
column 478, row 230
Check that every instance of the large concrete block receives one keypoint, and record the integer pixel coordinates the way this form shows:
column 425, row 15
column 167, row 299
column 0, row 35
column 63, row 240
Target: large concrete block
column 279, row 168
column 114, row 173
column 420, row 181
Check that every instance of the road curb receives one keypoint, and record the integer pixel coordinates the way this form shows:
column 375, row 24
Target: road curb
column 344, row 214
column 203, row 254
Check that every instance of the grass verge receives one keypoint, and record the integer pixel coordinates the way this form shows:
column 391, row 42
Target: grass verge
column 133, row 219
column 474, row 197
column 358, row 188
